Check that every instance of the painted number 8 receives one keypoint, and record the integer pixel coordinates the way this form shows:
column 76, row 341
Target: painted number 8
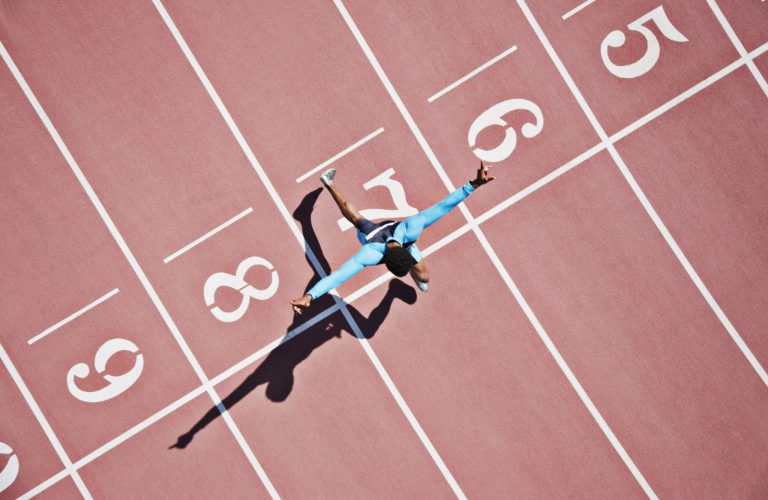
column 237, row 282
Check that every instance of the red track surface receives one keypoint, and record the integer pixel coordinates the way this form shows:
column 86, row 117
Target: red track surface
column 600, row 333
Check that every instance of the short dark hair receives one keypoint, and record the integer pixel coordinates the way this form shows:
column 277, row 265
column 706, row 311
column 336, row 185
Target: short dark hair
column 398, row 260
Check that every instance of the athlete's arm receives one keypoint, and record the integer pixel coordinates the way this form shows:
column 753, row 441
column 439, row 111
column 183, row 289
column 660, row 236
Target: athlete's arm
column 366, row 256
column 414, row 225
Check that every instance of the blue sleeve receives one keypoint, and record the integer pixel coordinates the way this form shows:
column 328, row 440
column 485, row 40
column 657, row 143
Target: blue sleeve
column 415, row 253
column 366, row 256
column 414, row 225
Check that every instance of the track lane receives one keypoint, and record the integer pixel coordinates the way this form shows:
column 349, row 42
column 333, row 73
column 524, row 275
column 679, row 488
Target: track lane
column 642, row 340
column 709, row 185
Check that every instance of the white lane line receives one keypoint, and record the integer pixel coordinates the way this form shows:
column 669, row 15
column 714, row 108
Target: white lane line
column 208, row 235
column 739, row 46
column 72, row 316
column 567, row 167
column 737, row 339
column 39, row 413
column 662, row 228
column 482, row 67
column 497, row 263
column 675, row 101
column 577, row 9
column 105, row 217
column 290, row 222
column 339, row 155
column 44, row 485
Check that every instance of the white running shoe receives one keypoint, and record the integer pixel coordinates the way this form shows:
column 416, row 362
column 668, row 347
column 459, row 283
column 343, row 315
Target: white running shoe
column 328, row 176
column 424, row 287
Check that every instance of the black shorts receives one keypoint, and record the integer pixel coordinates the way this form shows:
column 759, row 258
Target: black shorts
column 368, row 231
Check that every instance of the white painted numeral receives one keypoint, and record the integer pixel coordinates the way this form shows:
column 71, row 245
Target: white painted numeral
column 493, row 116
column 118, row 384
column 403, row 209
column 11, row 469
column 237, row 282
column 643, row 65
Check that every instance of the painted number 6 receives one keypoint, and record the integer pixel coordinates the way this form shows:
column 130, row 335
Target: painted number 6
column 648, row 60
column 493, row 116
column 117, row 384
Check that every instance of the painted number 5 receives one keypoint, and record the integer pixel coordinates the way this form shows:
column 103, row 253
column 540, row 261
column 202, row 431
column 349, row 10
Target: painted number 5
column 493, row 116
column 648, row 60
column 117, row 384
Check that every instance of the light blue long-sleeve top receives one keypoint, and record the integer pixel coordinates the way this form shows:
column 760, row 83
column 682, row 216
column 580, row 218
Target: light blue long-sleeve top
column 408, row 231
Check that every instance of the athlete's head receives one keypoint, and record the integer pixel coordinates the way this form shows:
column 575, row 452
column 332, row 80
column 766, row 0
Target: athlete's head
column 398, row 260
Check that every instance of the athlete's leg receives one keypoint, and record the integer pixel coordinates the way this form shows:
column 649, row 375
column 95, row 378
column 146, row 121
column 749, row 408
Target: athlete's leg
column 348, row 210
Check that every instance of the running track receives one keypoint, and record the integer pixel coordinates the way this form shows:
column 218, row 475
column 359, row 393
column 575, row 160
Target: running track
column 596, row 326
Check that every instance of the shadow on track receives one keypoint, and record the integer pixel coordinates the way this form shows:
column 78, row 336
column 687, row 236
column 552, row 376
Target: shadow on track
column 277, row 368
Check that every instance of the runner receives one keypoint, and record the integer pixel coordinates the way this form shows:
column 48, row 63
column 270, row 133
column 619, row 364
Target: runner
column 390, row 243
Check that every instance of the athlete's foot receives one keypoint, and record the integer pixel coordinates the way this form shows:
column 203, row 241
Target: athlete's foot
column 424, row 287
column 327, row 177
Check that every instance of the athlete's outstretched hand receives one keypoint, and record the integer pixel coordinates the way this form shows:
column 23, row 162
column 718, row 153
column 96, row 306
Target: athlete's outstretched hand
column 301, row 303
column 483, row 175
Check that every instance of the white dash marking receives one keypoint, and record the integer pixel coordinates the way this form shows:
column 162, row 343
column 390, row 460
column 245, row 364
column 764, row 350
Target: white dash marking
column 339, row 155
column 72, row 316
column 577, row 9
column 208, row 235
column 481, row 68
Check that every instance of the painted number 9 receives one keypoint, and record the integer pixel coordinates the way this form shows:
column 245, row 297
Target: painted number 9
column 117, row 383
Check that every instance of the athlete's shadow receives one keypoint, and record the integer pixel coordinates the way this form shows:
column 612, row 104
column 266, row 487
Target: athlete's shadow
column 276, row 371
